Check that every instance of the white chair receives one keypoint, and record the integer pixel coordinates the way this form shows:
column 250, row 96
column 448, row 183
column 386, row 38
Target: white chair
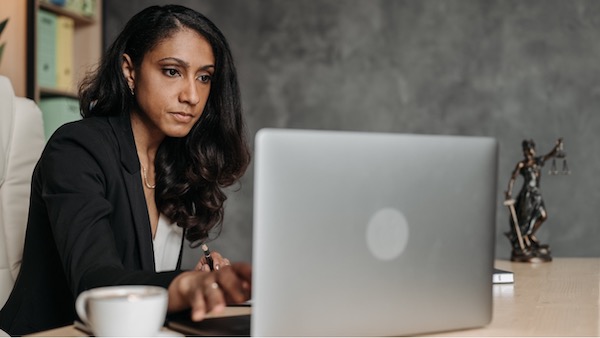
column 21, row 143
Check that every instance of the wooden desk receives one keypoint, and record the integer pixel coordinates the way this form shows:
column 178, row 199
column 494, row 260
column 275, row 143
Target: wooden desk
column 560, row 298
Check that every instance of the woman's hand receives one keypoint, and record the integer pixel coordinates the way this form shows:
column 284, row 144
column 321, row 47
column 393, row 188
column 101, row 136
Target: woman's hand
column 218, row 262
column 210, row 292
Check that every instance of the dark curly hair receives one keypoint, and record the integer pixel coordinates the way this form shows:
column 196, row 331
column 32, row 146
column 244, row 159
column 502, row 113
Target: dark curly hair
column 190, row 171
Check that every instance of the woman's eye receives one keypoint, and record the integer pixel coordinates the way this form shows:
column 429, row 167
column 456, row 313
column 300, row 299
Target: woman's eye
column 171, row 72
column 204, row 78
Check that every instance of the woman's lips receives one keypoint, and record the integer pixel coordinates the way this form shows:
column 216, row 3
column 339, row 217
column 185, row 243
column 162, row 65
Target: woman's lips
column 182, row 117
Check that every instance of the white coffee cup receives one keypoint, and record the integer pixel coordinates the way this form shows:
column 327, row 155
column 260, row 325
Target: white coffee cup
column 123, row 310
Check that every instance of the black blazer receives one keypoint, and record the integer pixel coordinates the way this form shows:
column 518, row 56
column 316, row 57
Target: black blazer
column 88, row 225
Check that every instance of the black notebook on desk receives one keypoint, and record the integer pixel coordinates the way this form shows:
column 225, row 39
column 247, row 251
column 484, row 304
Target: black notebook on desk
column 230, row 326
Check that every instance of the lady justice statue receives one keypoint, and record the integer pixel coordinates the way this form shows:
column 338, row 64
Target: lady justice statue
column 528, row 212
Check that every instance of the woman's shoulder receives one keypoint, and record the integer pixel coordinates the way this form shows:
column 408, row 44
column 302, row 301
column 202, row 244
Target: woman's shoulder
column 92, row 129
column 83, row 126
column 92, row 133
column 94, row 137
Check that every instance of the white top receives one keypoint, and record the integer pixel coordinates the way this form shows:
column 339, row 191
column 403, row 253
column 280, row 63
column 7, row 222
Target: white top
column 167, row 244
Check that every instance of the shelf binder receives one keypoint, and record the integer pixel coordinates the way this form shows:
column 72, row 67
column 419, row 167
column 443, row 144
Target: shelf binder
column 64, row 53
column 57, row 111
column 46, row 49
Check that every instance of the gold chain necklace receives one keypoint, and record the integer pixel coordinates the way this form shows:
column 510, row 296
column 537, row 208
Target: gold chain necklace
column 146, row 178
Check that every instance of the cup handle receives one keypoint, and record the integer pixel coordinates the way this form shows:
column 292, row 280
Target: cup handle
column 80, row 305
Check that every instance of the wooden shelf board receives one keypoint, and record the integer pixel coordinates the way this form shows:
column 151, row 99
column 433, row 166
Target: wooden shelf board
column 79, row 18
column 50, row 92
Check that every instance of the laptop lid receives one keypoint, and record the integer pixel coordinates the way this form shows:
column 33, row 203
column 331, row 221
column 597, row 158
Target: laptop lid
column 372, row 234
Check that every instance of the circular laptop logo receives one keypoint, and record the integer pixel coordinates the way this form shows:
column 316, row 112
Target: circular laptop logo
column 387, row 234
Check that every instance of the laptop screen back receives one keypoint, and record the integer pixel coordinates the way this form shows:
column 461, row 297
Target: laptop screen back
column 372, row 234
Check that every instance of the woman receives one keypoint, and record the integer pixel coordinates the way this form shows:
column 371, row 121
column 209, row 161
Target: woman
column 113, row 195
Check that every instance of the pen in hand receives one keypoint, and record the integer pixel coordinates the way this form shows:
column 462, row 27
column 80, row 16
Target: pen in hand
column 207, row 256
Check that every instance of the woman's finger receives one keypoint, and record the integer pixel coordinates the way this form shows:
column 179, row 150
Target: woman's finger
column 213, row 295
column 217, row 259
column 198, row 306
column 236, row 287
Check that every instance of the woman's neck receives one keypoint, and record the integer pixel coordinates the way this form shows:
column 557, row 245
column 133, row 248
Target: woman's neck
column 147, row 139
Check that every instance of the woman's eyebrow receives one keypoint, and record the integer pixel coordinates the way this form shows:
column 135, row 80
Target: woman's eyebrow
column 184, row 63
column 176, row 60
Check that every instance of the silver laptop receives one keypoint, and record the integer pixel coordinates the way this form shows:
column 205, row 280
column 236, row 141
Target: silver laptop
column 372, row 234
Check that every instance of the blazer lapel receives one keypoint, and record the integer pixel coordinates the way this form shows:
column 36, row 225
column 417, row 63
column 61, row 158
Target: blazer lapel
column 133, row 184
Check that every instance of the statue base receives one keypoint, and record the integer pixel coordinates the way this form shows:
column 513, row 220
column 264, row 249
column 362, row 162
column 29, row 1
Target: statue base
column 534, row 252
column 537, row 255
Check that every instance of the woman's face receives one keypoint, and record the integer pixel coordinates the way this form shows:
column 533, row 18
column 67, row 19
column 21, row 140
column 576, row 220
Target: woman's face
column 173, row 82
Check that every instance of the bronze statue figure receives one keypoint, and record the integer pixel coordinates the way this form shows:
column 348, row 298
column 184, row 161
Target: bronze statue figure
column 528, row 212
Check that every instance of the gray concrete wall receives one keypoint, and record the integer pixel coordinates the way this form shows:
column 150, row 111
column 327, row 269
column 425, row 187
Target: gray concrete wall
column 500, row 68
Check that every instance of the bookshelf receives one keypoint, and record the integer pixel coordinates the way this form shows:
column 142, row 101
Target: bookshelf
column 82, row 52
column 63, row 45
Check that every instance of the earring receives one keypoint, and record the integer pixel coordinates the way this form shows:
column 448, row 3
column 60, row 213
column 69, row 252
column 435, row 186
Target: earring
column 131, row 90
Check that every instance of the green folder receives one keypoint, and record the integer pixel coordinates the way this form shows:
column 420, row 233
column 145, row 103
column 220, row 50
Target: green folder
column 57, row 111
column 46, row 49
